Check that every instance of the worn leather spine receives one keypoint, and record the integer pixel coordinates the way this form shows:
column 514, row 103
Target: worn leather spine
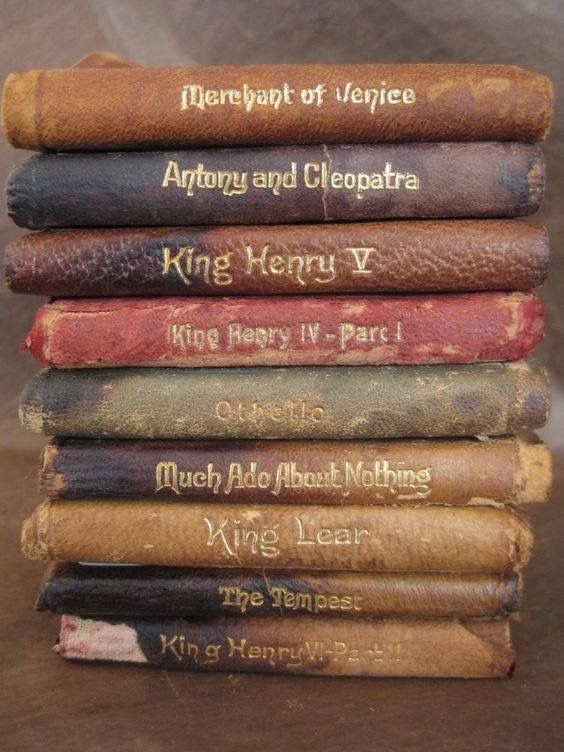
column 275, row 185
column 280, row 331
column 202, row 594
column 449, row 471
column 288, row 403
column 268, row 104
column 378, row 539
column 344, row 647
column 394, row 256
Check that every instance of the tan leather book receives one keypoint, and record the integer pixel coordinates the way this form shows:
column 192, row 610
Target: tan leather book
column 99, row 106
column 340, row 647
column 420, row 539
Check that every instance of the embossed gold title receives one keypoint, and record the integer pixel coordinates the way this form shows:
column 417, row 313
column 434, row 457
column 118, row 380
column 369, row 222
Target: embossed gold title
column 316, row 176
column 249, row 98
column 383, row 478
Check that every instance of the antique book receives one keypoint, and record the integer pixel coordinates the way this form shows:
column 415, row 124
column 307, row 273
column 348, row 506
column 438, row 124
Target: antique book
column 202, row 594
column 273, row 185
column 337, row 647
column 493, row 471
column 356, row 402
column 376, row 538
column 286, row 331
column 369, row 257
column 268, row 104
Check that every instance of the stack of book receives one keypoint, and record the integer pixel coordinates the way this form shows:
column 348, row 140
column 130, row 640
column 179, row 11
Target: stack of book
column 290, row 437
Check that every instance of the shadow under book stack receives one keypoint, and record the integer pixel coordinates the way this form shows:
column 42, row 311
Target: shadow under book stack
column 308, row 428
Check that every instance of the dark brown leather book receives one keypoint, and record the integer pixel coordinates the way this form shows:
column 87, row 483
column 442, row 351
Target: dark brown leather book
column 409, row 256
column 202, row 594
column 336, row 647
column 424, row 471
column 273, row 185
column 146, row 108
column 339, row 402
column 364, row 538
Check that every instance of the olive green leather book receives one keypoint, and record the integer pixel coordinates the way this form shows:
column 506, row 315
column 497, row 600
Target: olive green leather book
column 338, row 402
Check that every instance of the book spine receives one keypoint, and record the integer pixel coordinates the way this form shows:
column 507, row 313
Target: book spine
column 305, row 330
column 359, row 257
column 202, row 594
column 277, row 184
column 165, row 533
column 144, row 108
column 492, row 471
column 279, row 403
column 301, row 646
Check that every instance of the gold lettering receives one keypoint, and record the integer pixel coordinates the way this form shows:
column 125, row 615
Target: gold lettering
column 361, row 256
column 373, row 98
column 210, row 270
column 169, row 644
column 247, row 97
column 311, row 536
column 295, row 411
column 262, row 337
column 301, row 268
column 167, row 476
column 357, row 334
column 239, row 598
column 232, row 537
column 174, row 261
column 172, row 174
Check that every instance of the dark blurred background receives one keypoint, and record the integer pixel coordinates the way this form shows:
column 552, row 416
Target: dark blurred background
column 50, row 705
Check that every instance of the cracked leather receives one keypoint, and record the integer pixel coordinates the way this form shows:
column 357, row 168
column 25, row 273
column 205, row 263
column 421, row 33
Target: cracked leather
column 297, row 402
column 409, row 256
column 271, row 331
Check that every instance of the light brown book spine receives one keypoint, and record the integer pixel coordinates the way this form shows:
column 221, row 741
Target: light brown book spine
column 343, row 647
column 421, row 539
column 139, row 108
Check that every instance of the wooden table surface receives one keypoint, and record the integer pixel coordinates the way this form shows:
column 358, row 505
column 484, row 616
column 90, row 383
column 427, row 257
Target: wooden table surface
column 48, row 705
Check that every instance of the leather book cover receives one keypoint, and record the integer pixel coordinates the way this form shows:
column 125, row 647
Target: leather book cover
column 338, row 647
column 202, row 594
column 358, row 257
column 492, row 471
column 147, row 108
column 276, row 185
column 357, row 402
column 376, row 538
column 286, row 331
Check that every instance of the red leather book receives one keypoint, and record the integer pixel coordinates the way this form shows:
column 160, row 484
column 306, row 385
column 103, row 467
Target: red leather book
column 271, row 331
